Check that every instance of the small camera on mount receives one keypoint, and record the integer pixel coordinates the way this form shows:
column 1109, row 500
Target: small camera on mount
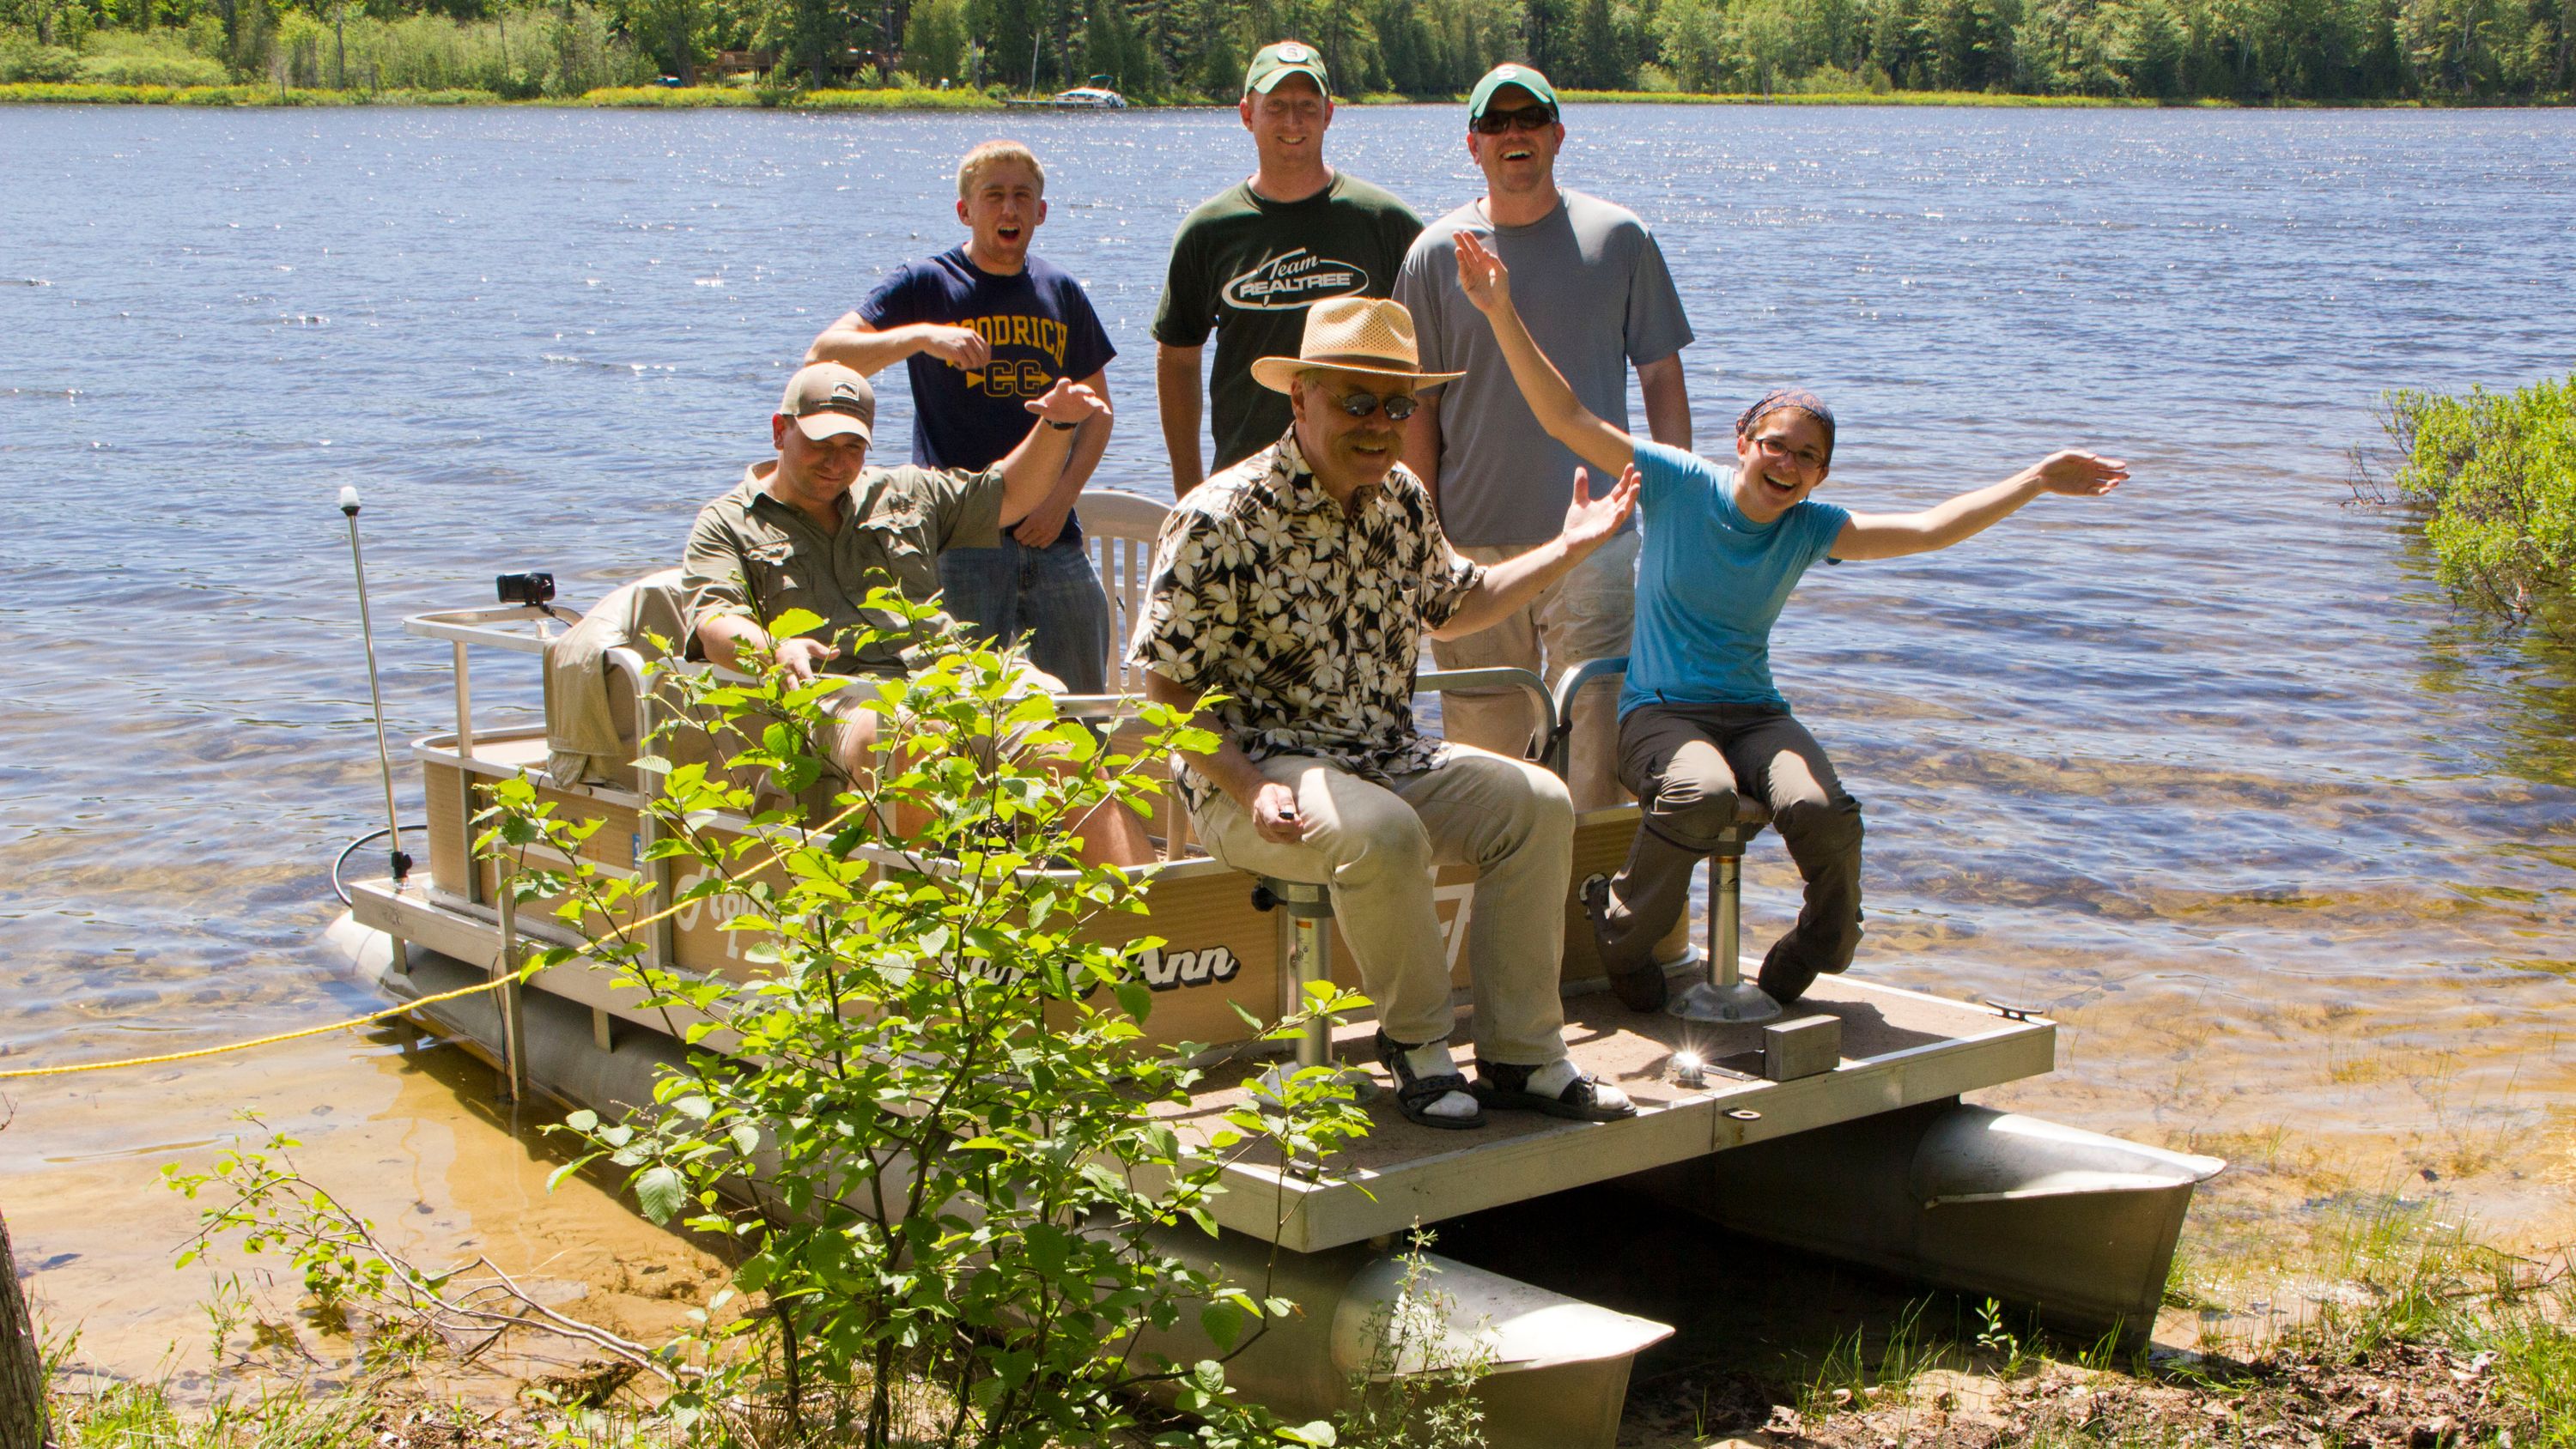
column 535, row 590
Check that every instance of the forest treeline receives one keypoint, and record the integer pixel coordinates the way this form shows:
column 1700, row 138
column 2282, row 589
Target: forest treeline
column 2442, row 51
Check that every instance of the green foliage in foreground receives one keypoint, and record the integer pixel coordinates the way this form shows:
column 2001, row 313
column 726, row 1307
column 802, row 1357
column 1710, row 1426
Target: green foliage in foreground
column 931, row 1142
column 2428, row 1282
column 113, row 1414
column 2496, row 473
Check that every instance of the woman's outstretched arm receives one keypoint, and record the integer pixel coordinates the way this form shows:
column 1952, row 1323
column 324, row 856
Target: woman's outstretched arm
column 1893, row 535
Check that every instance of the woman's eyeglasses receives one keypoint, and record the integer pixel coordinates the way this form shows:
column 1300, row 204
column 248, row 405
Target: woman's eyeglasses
column 1524, row 118
column 1807, row 459
column 1361, row 404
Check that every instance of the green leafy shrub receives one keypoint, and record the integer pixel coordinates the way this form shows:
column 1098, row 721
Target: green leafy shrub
column 120, row 58
column 22, row 59
column 2496, row 473
column 931, row 1136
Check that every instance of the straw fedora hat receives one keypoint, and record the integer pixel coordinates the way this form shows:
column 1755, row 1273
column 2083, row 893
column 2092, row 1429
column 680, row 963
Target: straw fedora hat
column 1353, row 334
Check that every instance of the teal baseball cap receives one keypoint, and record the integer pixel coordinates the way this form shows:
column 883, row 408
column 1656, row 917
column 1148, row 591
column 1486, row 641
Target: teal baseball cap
column 1526, row 77
column 1276, row 62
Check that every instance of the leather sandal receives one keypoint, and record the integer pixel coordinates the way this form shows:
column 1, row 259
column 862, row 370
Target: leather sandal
column 1643, row 987
column 1506, row 1088
column 1414, row 1095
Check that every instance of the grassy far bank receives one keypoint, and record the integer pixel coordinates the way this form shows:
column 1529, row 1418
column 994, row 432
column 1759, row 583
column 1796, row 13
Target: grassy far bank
column 921, row 99
column 648, row 97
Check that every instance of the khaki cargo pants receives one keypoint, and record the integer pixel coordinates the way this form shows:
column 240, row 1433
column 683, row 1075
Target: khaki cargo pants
column 1375, row 847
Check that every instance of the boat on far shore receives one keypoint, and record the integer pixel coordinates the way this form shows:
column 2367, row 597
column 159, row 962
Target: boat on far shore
column 1080, row 98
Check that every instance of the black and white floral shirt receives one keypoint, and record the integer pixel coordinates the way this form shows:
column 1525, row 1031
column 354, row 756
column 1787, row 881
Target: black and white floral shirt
column 1307, row 614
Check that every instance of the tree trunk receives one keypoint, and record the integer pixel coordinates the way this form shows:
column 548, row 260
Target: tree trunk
column 22, row 1364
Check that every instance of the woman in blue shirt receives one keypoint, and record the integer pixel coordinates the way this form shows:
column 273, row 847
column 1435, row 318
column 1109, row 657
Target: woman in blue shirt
column 1699, row 719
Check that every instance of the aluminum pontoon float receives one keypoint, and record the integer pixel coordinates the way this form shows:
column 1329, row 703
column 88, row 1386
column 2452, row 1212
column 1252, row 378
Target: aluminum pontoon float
column 1837, row 1128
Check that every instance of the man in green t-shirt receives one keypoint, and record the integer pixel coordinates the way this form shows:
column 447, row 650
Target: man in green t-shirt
column 1250, row 261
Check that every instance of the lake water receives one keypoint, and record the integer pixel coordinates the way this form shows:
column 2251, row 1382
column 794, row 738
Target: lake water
column 2207, row 770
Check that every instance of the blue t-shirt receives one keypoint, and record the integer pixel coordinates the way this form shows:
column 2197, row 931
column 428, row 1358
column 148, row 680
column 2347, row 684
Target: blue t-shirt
column 1710, row 583
column 1040, row 325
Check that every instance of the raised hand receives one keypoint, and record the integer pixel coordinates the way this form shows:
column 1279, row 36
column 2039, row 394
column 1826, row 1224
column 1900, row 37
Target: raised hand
column 957, row 346
column 1482, row 275
column 2081, row 474
column 1589, row 520
column 1070, row 402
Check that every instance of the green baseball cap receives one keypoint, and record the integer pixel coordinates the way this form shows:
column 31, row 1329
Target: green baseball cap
column 1526, row 77
column 1274, row 63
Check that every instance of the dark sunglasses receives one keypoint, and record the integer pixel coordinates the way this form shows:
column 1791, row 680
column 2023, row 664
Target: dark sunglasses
column 1524, row 118
column 1361, row 404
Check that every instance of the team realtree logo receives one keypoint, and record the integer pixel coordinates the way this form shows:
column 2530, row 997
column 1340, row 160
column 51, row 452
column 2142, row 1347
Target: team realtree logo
column 1294, row 280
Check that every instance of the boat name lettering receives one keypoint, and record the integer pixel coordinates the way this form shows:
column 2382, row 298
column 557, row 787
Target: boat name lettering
column 1171, row 970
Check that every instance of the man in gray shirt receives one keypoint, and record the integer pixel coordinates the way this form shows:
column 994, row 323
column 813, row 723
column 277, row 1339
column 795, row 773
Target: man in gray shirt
column 1593, row 287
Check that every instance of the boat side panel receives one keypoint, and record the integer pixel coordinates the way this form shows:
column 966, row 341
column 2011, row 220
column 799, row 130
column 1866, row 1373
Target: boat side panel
column 1220, row 952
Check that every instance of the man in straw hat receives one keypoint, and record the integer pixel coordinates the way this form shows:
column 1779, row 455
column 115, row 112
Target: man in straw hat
column 817, row 529
column 1298, row 585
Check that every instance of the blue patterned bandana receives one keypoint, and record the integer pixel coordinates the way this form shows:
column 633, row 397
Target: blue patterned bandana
column 1789, row 397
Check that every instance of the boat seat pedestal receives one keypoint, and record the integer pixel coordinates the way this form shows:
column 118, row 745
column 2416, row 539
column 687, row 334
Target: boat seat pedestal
column 1724, row 995
column 1307, row 942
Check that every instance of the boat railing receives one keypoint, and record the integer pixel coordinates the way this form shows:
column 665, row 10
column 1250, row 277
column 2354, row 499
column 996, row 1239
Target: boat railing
column 464, row 628
column 491, row 627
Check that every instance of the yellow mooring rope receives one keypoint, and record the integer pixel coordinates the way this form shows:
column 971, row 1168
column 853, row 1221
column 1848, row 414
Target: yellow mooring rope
column 241, row 1046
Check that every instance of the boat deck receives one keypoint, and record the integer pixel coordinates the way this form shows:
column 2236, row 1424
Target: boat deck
column 1898, row 1048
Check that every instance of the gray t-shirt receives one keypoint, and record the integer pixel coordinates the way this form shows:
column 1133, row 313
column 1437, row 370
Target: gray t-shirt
column 1591, row 283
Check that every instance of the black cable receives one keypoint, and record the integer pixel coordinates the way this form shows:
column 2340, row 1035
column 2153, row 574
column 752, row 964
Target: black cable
column 350, row 849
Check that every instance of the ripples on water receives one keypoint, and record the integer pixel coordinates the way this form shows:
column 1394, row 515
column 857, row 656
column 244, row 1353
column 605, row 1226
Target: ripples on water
column 2206, row 768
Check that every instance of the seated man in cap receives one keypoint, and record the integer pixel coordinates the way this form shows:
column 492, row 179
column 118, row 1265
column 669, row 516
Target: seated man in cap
column 1298, row 585
column 816, row 529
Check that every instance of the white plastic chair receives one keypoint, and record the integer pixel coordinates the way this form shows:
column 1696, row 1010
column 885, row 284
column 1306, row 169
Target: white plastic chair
column 1122, row 528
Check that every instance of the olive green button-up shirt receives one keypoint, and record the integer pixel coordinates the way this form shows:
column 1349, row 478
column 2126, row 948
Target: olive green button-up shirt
column 750, row 554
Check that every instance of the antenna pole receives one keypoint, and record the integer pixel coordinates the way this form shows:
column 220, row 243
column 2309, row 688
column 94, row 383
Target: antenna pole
column 394, row 856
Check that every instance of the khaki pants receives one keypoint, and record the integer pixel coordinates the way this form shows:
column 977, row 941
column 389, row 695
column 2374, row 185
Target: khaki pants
column 1375, row 848
column 1585, row 615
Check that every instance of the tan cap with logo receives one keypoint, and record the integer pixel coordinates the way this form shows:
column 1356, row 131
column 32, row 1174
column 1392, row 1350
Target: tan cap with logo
column 827, row 400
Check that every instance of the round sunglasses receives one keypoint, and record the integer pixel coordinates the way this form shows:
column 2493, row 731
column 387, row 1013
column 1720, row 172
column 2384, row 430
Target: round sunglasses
column 1361, row 404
